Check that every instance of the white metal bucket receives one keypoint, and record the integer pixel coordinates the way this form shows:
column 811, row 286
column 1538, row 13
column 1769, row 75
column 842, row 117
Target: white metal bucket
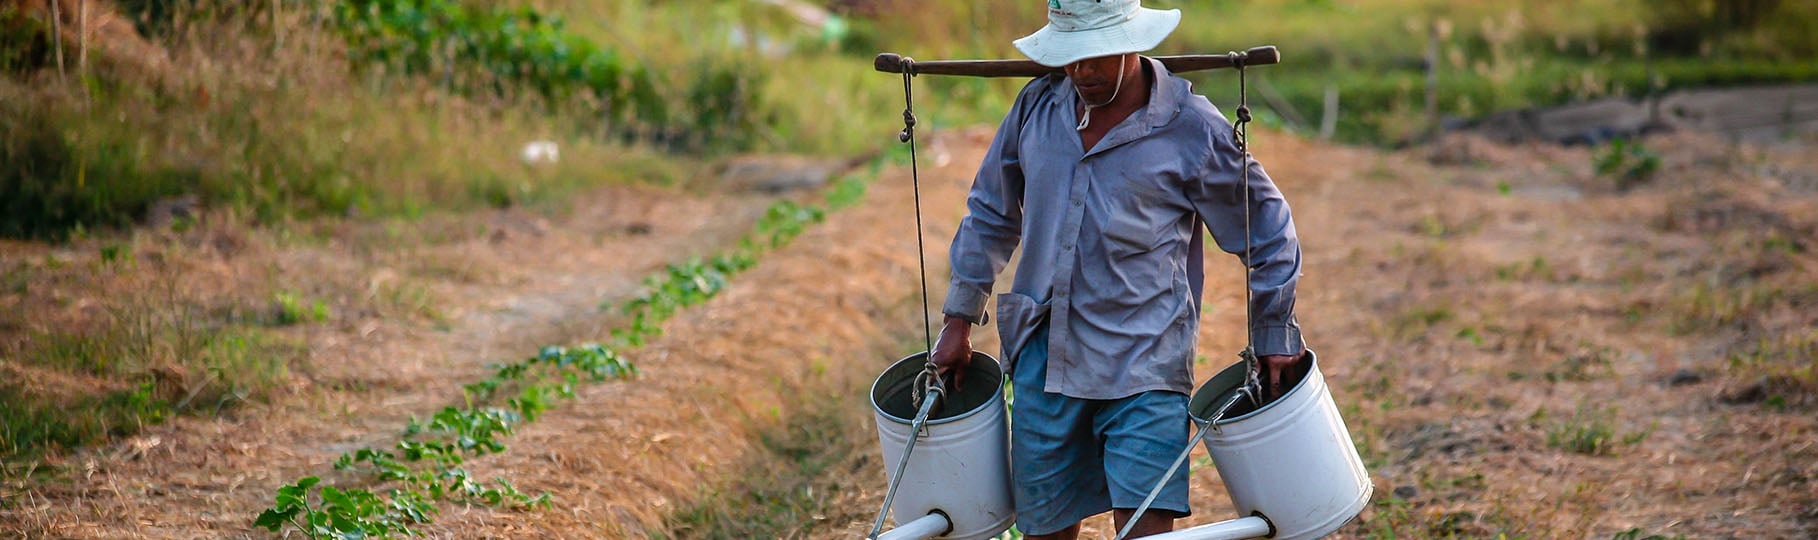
column 960, row 466
column 1291, row 461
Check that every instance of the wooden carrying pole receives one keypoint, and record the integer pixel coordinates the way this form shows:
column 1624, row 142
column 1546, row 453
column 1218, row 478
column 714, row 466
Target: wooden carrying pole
column 893, row 63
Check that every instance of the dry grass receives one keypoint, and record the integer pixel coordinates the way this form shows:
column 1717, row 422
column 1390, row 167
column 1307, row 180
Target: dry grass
column 414, row 309
column 261, row 112
column 1542, row 363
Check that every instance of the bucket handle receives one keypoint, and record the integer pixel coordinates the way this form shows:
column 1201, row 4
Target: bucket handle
column 935, row 394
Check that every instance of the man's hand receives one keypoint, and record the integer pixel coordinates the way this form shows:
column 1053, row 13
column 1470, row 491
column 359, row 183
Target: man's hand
column 953, row 349
column 1278, row 370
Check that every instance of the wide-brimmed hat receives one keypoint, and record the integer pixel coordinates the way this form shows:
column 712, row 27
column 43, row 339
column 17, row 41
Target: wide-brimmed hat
column 1081, row 29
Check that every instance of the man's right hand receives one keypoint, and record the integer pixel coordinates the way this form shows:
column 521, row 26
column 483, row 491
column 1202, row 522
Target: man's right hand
column 953, row 349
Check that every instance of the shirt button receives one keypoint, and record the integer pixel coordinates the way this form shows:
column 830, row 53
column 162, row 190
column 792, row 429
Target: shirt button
column 1076, row 203
column 1068, row 247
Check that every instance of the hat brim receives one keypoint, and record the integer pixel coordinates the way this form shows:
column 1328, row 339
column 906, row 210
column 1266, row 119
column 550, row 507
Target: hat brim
column 1055, row 48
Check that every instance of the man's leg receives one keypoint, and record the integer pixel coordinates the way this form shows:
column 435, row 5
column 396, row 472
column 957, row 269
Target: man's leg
column 1143, row 434
column 1056, row 465
column 1150, row 523
column 1068, row 533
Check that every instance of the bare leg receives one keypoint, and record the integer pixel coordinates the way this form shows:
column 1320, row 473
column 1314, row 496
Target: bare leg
column 1069, row 533
column 1152, row 522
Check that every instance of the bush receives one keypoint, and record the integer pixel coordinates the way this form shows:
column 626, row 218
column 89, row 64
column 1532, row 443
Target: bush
column 53, row 185
column 26, row 42
column 1629, row 162
column 497, row 51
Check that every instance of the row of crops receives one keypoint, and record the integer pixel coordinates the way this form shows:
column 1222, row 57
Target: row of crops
column 399, row 487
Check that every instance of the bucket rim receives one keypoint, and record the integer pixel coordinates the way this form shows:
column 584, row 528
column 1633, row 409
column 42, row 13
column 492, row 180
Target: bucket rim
column 996, row 398
column 1299, row 388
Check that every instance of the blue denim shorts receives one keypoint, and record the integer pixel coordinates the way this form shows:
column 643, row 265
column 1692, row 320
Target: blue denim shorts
column 1074, row 458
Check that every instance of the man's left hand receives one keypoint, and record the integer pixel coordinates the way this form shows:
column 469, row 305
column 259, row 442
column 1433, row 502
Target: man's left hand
column 1277, row 373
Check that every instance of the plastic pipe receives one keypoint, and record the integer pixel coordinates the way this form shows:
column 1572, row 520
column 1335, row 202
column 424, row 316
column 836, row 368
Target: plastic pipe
column 1236, row 529
column 926, row 527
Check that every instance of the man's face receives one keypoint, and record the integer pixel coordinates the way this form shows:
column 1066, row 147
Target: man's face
column 1096, row 78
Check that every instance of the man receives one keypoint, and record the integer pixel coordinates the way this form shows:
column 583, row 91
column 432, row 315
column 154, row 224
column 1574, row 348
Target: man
column 1102, row 174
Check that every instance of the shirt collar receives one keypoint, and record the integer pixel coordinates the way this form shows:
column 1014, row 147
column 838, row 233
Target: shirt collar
column 1164, row 100
column 1164, row 103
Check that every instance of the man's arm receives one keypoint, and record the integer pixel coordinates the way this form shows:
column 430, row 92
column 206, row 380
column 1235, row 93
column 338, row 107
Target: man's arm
column 1274, row 259
column 986, row 237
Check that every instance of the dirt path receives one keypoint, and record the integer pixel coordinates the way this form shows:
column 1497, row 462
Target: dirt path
column 1509, row 335
column 1518, row 348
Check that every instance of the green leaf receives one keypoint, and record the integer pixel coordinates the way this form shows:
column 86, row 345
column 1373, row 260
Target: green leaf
column 333, row 498
column 273, row 519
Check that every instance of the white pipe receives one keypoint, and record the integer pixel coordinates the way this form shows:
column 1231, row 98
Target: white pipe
column 926, row 527
column 1235, row 529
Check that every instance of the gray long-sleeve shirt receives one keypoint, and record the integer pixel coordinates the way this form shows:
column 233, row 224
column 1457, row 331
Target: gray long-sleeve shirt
column 1109, row 238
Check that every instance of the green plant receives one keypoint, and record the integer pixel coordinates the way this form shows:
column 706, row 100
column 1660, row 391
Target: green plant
column 293, row 310
column 1637, row 534
column 475, row 49
column 1630, row 162
column 693, row 282
column 159, row 354
column 342, row 514
column 27, row 41
column 1393, row 517
column 426, row 464
column 1589, row 431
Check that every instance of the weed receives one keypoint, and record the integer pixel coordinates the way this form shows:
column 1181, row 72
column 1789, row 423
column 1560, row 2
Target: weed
column 1469, row 333
column 1783, row 367
column 113, row 254
column 1637, row 534
column 1431, row 225
column 406, row 298
column 1393, row 517
column 1589, row 431
column 1416, row 321
column 158, row 357
column 292, row 309
column 1630, row 162
column 1706, row 306
column 1596, row 363
column 1535, row 268
column 849, row 190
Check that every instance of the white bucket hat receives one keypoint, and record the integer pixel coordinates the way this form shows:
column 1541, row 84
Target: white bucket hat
column 1081, row 29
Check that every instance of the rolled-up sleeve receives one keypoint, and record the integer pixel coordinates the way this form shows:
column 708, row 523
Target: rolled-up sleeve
column 993, row 223
column 1274, row 261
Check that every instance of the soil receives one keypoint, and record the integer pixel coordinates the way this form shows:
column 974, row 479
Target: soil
column 1475, row 308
